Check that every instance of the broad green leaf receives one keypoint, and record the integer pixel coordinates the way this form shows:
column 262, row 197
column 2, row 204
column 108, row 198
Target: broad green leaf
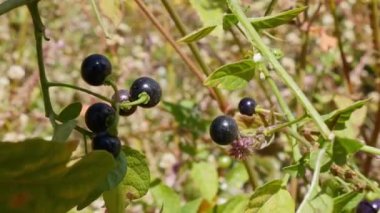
column 114, row 199
column 343, row 147
column 197, row 35
column 271, row 198
column 229, row 20
column 339, row 117
column 205, row 182
column 237, row 176
column 112, row 9
column 347, row 202
column 62, row 131
column 277, row 19
column 325, row 163
column 192, row 206
column 211, row 13
column 136, row 181
column 358, row 115
column 114, row 178
column 70, row 112
column 232, row 76
column 319, row 203
column 237, row 204
column 166, row 198
column 34, row 176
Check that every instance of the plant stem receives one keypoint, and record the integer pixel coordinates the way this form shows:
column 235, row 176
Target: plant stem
column 113, row 128
column 99, row 18
column 314, row 181
column 338, row 35
column 143, row 98
column 259, row 44
column 285, row 109
column 194, row 50
column 283, row 125
column 9, row 5
column 54, row 84
column 39, row 29
column 370, row 149
column 251, row 173
column 270, row 7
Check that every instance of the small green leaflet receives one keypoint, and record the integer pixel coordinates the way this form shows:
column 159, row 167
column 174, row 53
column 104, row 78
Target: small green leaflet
column 347, row 202
column 343, row 147
column 271, row 198
column 232, row 76
column 265, row 22
column 339, row 117
column 197, row 35
column 62, row 131
column 70, row 112
column 277, row 19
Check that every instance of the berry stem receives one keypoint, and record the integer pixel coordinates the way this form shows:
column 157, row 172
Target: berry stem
column 254, row 37
column 39, row 30
column 116, row 105
column 7, row 6
column 143, row 99
column 54, row 84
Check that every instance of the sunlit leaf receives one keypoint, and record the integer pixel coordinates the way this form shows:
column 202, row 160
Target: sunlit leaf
column 197, row 35
column 232, row 76
column 237, row 204
column 63, row 131
column 205, row 182
column 165, row 197
column 277, row 19
column 347, row 202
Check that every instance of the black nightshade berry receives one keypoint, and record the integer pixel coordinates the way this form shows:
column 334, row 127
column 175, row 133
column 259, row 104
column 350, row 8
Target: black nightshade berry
column 123, row 95
column 105, row 141
column 247, row 106
column 224, row 130
column 148, row 85
column 97, row 117
column 95, row 68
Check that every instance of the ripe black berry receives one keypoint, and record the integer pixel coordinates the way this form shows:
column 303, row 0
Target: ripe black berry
column 95, row 68
column 148, row 85
column 105, row 141
column 123, row 95
column 98, row 116
column 223, row 130
column 366, row 207
column 247, row 106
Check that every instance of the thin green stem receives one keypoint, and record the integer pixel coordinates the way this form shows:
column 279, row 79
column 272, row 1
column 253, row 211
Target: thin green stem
column 39, row 30
column 370, row 149
column 143, row 99
column 9, row 5
column 270, row 7
column 54, row 84
column 265, row 111
column 99, row 18
column 298, row 137
column 285, row 108
column 253, row 179
column 314, row 181
column 254, row 37
column 85, row 144
column 283, row 125
column 116, row 105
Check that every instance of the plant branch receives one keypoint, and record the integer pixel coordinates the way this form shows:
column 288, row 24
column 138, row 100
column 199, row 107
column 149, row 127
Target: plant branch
column 314, row 181
column 338, row 35
column 54, row 84
column 251, row 173
column 254, row 37
column 9, row 5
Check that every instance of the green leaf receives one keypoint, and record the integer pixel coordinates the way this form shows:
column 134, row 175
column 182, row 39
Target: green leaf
column 197, row 35
column 136, row 181
column 70, row 112
column 166, row 198
column 62, row 131
column 354, row 119
column 114, row 177
column 232, row 76
column 237, row 176
column 347, row 202
column 235, row 205
column 205, row 182
column 319, row 203
column 271, row 198
column 211, row 13
column 34, row 176
column 112, row 9
column 343, row 147
column 192, row 206
column 277, row 19
column 114, row 199
column 339, row 117
column 229, row 20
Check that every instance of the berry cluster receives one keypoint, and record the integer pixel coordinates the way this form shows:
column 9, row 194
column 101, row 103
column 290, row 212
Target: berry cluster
column 144, row 92
column 224, row 130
